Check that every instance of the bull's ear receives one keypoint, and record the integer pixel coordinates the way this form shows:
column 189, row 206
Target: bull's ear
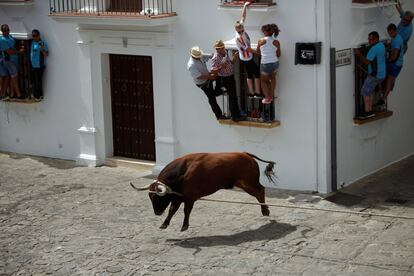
column 140, row 188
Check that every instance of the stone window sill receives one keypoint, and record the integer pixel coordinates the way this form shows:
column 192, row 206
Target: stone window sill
column 378, row 116
column 272, row 124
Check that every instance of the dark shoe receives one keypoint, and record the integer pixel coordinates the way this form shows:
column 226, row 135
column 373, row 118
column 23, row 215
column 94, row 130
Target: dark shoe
column 257, row 95
column 221, row 117
column 251, row 96
column 380, row 102
column 22, row 97
column 366, row 115
column 238, row 119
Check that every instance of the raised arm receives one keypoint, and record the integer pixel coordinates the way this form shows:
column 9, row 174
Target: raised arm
column 244, row 12
column 399, row 7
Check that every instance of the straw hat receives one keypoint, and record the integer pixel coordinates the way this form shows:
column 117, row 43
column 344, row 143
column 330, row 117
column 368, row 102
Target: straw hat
column 195, row 52
column 219, row 44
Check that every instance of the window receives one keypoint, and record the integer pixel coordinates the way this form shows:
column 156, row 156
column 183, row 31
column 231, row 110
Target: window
column 25, row 74
column 361, row 73
column 257, row 114
column 241, row 3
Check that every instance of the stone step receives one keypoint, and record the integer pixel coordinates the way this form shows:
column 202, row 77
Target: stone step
column 137, row 164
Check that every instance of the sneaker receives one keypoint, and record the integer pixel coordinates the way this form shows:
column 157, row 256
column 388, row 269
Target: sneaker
column 366, row 115
column 251, row 96
column 257, row 95
column 267, row 101
column 221, row 117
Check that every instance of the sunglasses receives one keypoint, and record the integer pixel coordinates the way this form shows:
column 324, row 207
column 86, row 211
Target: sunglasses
column 35, row 35
column 240, row 32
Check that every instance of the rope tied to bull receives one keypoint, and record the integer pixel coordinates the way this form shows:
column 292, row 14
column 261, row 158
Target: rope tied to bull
column 162, row 190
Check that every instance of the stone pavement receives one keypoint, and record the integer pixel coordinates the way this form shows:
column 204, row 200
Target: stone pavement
column 59, row 219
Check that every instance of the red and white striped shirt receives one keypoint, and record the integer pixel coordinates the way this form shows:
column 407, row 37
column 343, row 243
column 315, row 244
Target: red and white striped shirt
column 216, row 64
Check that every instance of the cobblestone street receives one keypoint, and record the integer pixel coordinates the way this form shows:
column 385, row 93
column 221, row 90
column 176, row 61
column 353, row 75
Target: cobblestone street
column 60, row 219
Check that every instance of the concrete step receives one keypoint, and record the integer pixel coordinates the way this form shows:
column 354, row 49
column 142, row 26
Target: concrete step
column 117, row 161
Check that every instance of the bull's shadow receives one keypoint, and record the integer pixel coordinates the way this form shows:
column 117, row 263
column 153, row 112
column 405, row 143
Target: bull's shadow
column 270, row 231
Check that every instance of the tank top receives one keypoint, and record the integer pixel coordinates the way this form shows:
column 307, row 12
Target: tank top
column 268, row 51
column 243, row 43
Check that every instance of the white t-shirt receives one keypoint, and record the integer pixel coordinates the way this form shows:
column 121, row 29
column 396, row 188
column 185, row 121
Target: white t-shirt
column 243, row 43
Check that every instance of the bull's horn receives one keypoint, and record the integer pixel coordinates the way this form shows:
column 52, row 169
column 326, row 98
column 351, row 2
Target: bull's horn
column 141, row 188
column 161, row 190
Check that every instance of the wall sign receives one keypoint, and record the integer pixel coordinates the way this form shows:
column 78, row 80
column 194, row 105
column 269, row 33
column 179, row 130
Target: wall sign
column 308, row 53
column 343, row 57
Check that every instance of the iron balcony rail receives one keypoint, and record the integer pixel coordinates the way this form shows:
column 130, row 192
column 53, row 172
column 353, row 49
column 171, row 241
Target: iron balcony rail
column 146, row 8
column 257, row 3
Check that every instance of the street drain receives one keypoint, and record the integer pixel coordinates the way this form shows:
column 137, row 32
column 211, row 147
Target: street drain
column 396, row 200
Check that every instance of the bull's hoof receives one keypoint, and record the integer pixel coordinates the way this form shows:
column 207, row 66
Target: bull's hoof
column 265, row 212
column 163, row 226
column 184, row 228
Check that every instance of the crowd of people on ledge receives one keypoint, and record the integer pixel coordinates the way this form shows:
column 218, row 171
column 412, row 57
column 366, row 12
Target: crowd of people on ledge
column 9, row 65
column 383, row 67
column 220, row 79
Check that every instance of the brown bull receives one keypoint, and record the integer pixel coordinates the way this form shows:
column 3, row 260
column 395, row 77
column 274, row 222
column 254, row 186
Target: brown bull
column 197, row 175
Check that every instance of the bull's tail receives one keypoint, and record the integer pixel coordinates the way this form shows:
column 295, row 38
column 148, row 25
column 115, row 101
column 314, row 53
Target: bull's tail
column 270, row 174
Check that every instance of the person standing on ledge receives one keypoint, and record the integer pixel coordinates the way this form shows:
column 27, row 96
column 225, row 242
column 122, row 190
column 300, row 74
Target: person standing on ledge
column 39, row 50
column 246, row 55
column 203, row 79
column 376, row 60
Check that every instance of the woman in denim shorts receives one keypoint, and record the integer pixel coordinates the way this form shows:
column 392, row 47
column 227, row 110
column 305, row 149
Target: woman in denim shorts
column 268, row 48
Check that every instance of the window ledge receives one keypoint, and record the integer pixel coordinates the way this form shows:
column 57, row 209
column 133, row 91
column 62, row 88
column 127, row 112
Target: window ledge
column 253, row 7
column 16, row 3
column 28, row 101
column 378, row 116
column 272, row 124
column 116, row 19
column 372, row 5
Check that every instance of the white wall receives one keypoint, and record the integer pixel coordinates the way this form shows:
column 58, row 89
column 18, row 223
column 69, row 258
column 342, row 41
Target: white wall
column 293, row 145
column 366, row 148
column 300, row 146
column 47, row 128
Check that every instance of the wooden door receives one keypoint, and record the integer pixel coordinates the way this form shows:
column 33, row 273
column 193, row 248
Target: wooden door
column 132, row 106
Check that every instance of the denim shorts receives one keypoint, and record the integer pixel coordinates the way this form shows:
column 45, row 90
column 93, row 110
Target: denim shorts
column 393, row 70
column 8, row 68
column 368, row 88
column 269, row 68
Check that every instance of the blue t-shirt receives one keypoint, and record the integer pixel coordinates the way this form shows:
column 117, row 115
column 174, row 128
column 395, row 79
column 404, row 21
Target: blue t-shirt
column 398, row 43
column 405, row 31
column 5, row 44
column 36, row 57
column 377, row 53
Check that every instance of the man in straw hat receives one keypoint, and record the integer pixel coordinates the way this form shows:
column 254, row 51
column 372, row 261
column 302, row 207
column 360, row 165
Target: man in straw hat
column 203, row 78
column 223, row 66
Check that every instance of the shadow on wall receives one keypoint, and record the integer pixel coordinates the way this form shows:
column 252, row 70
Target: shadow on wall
column 270, row 231
column 50, row 162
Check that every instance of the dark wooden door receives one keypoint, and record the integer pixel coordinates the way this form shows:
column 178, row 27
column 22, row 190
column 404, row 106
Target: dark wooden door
column 126, row 5
column 132, row 106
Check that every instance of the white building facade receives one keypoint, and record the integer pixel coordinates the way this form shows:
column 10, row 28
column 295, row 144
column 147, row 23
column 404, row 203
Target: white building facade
column 79, row 119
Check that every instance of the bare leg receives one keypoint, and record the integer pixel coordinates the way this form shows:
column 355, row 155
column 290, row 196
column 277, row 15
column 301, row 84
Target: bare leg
column 14, row 86
column 6, row 81
column 272, row 85
column 188, row 206
column 257, row 85
column 173, row 209
column 250, row 85
column 388, row 86
column 265, row 85
column 368, row 103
